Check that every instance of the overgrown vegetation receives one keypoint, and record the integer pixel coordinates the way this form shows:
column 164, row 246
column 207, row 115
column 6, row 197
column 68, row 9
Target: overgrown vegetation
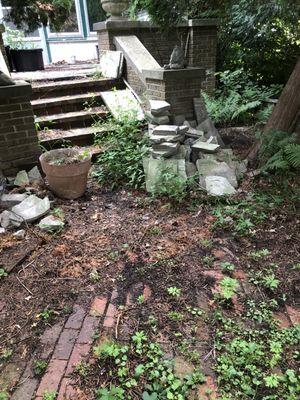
column 280, row 152
column 121, row 161
column 141, row 366
column 259, row 362
column 238, row 100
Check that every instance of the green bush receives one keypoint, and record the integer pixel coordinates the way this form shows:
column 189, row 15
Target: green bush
column 121, row 162
column 280, row 152
column 238, row 100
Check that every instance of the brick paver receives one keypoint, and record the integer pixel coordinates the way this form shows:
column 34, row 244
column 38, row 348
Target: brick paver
column 79, row 353
column 89, row 327
column 98, row 306
column 52, row 378
column 76, row 318
column 65, row 344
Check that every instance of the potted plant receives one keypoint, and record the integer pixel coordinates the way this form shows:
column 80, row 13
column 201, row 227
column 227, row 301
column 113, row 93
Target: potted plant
column 115, row 7
column 67, row 171
column 23, row 55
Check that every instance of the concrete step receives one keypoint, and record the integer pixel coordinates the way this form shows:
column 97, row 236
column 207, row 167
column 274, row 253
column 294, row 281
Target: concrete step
column 55, row 138
column 76, row 119
column 65, row 104
column 70, row 87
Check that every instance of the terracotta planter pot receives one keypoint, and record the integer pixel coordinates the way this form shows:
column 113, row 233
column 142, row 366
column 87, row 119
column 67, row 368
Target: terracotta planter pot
column 115, row 7
column 67, row 181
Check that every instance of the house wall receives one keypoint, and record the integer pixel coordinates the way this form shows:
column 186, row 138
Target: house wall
column 18, row 139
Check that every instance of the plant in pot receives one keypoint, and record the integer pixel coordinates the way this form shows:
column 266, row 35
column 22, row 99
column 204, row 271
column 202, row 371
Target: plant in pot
column 67, row 171
column 23, row 55
column 115, row 8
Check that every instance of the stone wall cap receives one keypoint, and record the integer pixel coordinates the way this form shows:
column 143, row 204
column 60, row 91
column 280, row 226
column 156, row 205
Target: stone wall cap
column 118, row 25
column 171, row 74
column 20, row 89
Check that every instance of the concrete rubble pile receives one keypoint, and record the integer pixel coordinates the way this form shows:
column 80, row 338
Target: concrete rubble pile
column 188, row 148
column 19, row 206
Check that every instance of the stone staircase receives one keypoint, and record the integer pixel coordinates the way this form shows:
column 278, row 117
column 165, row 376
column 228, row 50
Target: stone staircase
column 65, row 109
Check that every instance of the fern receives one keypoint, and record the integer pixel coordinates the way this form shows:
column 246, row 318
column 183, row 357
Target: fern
column 292, row 152
column 279, row 152
column 238, row 99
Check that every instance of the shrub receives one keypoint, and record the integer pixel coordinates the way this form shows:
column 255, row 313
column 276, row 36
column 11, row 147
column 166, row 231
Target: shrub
column 121, row 162
column 280, row 152
column 238, row 99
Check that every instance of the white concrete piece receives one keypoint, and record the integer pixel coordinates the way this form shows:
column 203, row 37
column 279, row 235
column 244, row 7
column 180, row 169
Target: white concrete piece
column 111, row 64
column 122, row 103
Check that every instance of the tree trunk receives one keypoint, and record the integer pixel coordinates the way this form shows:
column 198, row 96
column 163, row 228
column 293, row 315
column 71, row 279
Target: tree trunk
column 286, row 112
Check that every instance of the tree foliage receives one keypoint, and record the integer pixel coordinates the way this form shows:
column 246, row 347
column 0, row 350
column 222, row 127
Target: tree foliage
column 31, row 14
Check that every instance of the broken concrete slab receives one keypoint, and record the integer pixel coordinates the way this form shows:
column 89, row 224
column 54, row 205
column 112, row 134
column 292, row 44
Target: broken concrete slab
column 209, row 129
column 164, row 150
column 205, row 146
column 159, row 107
column 122, row 103
column 2, row 231
column 195, row 134
column 34, row 175
column 153, row 169
column 111, row 64
column 32, row 208
column 51, row 223
column 166, row 130
column 157, row 139
column 10, row 220
column 10, row 200
column 21, row 179
column 157, row 120
column 20, row 234
column 209, row 167
column 183, row 128
column 218, row 186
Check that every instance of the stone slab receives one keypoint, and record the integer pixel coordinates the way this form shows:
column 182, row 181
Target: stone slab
column 165, row 149
column 205, row 146
column 111, row 64
column 208, row 167
column 123, row 103
column 218, row 186
column 166, row 130
column 32, row 208
column 10, row 200
column 157, row 139
column 136, row 53
column 157, row 107
column 153, row 168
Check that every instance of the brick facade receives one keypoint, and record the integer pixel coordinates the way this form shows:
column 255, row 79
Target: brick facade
column 200, row 37
column 18, row 139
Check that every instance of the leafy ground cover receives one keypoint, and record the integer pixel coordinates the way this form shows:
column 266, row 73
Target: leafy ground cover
column 207, row 291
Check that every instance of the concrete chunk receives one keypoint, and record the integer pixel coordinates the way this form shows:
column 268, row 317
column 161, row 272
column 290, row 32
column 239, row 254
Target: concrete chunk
column 10, row 200
column 111, row 64
column 165, row 149
column 209, row 167
column 205, row 146
column 157, row 139
column 166, row 130
column 32, row 208
column 51, row 224
column 218, row 186
column 159, row 107
column 21, row 179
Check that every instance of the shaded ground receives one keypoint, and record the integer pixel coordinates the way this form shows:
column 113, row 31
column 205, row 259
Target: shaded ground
column 122, row 241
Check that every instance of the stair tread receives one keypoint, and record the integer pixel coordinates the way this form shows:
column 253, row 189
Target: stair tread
column 72, row 115
column 60, row 134
column 53, row 100
column 36, row 86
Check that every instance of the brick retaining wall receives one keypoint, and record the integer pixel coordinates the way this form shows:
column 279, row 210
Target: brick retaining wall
column 18, row 139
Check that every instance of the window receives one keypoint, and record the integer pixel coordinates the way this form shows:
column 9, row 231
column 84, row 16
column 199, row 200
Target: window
column 72, row 26
column 95, row 13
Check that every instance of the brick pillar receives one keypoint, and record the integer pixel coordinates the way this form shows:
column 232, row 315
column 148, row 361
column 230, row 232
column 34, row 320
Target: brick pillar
column 2, row 48
column 18, row 139
column 177, row 87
